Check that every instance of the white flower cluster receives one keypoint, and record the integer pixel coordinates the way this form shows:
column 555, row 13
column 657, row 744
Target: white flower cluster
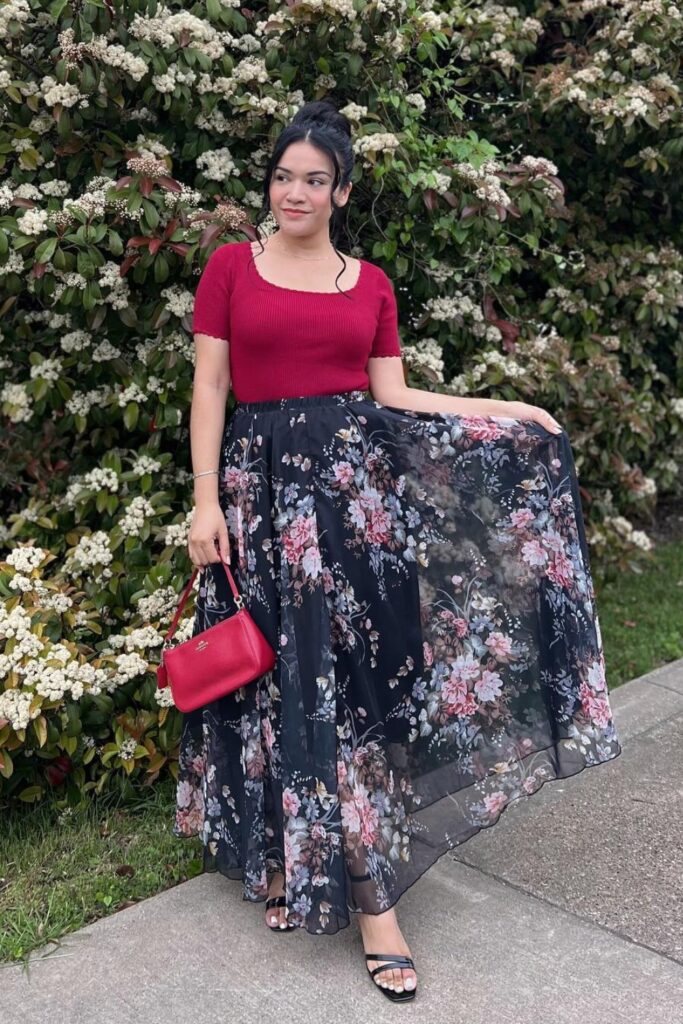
column 354, row 111
column 179, row 300
column 161, row 603
column 378, row 142
column 426, row 356
column 81, row 402
column 460, row 309
column 105, row 351
column 14, row 706
column 25, row 558
column 57, row 187
column 176, row 533
column 131, row 393
column 16, row 404
column 485, row 182
column 622, row 526
column 677, row 407
column 217, row 164
column 128, row 667
column 96, row 480
column 47, row 369
column 417, row 100
column 92, row 550
column 251, row 69
column 145, row 464
column 32, row 222
column 13, row 11
column 66, row 94
column 538, row 166
column 92, row 204
column 172, row 76
column 112, row 55
column 169, row 30
column 505, row 58
column 138, row 639
column 135, row 516
column 109, row 276
column 14, row 264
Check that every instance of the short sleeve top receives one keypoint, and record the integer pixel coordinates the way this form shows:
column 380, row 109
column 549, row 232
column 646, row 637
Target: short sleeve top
column 287, row 342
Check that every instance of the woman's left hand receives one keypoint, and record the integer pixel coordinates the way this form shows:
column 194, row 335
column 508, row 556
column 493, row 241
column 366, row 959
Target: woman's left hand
column 523, row 411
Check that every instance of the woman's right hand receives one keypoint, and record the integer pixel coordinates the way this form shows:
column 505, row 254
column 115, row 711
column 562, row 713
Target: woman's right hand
column 208, row 530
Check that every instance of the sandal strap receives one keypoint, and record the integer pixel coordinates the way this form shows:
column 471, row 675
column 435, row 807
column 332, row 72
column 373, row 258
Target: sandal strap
column 276, row 901
column 395, row 960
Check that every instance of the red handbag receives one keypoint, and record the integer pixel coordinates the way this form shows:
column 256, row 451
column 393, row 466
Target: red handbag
column 216, row 661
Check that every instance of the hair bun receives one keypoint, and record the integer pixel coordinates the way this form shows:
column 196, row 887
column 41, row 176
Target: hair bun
column 324, row 114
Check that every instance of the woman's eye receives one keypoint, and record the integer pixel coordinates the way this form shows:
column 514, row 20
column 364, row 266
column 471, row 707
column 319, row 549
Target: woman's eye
column 281, row 177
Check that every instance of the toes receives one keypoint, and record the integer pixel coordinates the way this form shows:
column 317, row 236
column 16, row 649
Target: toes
column 397, row 979
column 409, row 979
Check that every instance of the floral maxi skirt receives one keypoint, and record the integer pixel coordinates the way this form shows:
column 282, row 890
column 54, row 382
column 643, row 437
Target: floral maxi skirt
column 424, row 580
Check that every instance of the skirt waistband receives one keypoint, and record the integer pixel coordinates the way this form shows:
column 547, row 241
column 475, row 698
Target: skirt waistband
column 277, row 404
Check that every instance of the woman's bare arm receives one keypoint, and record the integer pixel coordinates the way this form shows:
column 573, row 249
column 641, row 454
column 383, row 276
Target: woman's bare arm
column 210, row 389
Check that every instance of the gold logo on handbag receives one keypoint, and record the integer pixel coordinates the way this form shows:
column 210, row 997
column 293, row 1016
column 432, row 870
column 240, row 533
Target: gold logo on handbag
column 202, row 644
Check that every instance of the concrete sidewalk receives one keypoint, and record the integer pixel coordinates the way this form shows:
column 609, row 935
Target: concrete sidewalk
column 569, row 909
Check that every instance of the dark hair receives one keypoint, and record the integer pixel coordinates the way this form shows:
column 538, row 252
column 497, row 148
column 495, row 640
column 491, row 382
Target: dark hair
column 320, row 123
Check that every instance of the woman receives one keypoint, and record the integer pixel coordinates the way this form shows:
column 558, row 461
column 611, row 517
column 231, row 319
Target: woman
column 417, row 561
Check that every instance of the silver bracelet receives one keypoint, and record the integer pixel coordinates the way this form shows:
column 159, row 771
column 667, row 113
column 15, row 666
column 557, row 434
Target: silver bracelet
column 203, row 473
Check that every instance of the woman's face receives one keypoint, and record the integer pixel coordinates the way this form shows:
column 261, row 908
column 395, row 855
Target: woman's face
column 302, row 181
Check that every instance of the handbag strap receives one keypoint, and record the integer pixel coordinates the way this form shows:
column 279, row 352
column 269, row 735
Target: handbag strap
column 239, row 600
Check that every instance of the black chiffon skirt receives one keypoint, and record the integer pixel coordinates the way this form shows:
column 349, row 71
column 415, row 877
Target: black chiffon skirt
column 424, row 579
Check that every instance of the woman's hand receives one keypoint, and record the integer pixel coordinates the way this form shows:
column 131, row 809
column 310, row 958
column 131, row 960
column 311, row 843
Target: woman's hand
column 208, row 533
column 523, row 411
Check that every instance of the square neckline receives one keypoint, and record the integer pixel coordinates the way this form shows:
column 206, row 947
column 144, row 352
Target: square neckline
column 304, row 291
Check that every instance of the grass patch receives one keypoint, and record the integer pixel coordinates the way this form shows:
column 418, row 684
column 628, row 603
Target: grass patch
column 641, row 617
column 61, row 870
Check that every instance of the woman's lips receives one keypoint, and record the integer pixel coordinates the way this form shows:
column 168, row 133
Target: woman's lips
column 295, row 213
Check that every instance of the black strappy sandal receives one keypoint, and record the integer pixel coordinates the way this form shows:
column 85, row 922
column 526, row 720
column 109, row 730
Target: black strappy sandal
column 278, row 901
column 395, row 960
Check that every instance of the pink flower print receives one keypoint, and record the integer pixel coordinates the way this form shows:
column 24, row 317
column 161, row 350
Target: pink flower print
column 369, row 823
column 378, row 530
column 461, row 627
column 198, row 764
column 185, row 793
column 311, row 562
column 236, row 478
column 255, row 760
column 553, row 540
column 350, row 817
column 458, row 700
column 530, row 784
column 300, row 530
column 448, row 617
column 191, row 820
column 520, row 517
column 495, row 802
column 400, row 484
column 555, row 463
column 561, row 571
column 328, row 580
column 427, row 654
column 597, row 709
column 481, row 428
column 341, row 772
column 343, row 473
column 596, row 674
column 456, row 580
column 268, row 734
column 465, row 667
column 317, row 831
column 499, row 644
column 489, row 686
column 290, row 802
column 534, row 553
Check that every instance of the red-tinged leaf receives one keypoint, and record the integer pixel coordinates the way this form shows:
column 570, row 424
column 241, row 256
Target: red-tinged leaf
column 450, row 198
column 38, row 269
column 146, row 187
column 170, row 183
column 469, row 211
column 556, row 181
column 155, row 245
column 431, row 198
column 122, row 182
column 127, row 264
column 138, row 242
column 513, row 210
column 210, row 234
column 170, row 228
column 180, row 247
column 26, row 204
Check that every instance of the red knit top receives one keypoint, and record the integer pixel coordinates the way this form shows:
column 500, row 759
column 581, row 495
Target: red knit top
column 287, row 342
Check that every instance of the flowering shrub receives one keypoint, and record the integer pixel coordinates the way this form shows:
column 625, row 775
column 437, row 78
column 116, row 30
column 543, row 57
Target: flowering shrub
column 512, row 177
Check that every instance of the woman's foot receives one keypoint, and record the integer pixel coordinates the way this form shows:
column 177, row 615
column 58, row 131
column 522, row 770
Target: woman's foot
column 381, row 934
column 276, row 916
